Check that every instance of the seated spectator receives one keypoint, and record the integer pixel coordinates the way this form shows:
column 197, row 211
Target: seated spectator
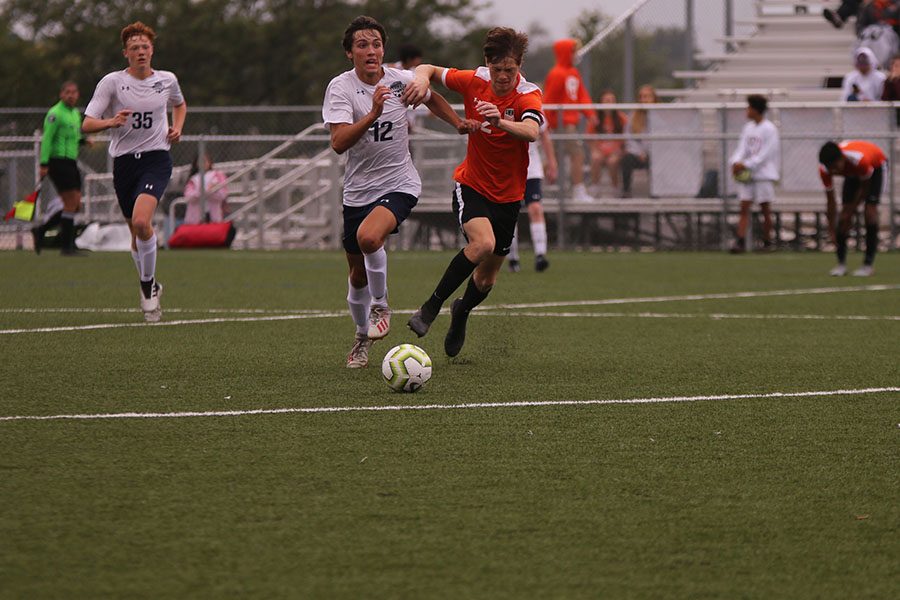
column 215, row 200
column 636, row 152
column 608, row 153
column 891, row 91
column 866, row 82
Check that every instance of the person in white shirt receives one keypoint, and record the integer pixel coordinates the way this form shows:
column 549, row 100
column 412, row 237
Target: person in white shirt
column 755, row 165
column 533, row 196
column 214, row 189
column 367, row 119
column 866, row 82
column 133, row 104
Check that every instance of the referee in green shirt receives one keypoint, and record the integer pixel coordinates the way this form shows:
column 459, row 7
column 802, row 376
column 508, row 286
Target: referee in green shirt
column 59, row 153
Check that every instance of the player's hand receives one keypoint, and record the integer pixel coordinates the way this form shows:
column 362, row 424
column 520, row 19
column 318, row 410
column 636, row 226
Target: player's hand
column 551, row 170
column 416, row 91
column 467, row 126
column 121, row 118
column 42, row 172
column 174, row 135
column 489, row 111
column 737, row 168
column 379, row 97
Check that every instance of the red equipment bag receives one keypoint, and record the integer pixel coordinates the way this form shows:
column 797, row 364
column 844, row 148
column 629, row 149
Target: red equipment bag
column 203, row 235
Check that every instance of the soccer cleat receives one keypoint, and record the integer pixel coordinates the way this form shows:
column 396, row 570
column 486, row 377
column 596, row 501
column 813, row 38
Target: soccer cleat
column 864, row 271
column 738, row 247
column 379, row 322
column 151, row 306
column 580, row 194
column 359, row 353
column 73, row 252
column 541, row 263
column 420, row 323
column 456, row 335
column 839, row 270
column 37, row 234
column 513, row 266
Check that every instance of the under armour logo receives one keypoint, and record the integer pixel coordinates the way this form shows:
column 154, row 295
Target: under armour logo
column 149, row 186
column 385, row 200
column 363, row 92
column 125, row 88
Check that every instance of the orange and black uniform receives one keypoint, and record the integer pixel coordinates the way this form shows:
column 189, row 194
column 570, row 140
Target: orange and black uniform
column 863, row 161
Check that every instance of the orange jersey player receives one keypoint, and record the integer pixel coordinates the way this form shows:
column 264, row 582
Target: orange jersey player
column 864, row 169
column 504, row 114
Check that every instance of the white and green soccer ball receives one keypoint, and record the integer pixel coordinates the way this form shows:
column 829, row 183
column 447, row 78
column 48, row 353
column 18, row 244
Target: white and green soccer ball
column 406, row 368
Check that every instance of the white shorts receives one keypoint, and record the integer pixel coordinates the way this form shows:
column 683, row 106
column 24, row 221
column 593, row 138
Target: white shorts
column 757, row 191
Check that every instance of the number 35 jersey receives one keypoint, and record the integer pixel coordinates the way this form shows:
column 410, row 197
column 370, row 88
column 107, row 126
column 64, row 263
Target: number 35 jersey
column 148, row 100
column 379, row 163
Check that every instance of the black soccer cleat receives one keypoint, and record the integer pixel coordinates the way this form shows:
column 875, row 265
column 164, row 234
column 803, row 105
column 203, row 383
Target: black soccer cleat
column 456, row 335
column 513, row 265
column 541, row 263
column 419, row 323
column 833, row 18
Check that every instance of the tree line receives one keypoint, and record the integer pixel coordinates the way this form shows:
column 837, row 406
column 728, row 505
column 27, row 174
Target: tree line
column 262, row 52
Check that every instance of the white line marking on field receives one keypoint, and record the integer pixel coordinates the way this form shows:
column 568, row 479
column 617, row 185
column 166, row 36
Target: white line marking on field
column 473, row 405
column 195, row 311
column 318, row 315
column 289, row 315
column 693, row 297
column 714, row 316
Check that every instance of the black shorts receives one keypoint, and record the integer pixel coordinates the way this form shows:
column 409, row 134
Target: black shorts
column 64, row 174
column 399, row 203
column 851, row 187
column 141, row 173
column 469, row 204
column 533, row 192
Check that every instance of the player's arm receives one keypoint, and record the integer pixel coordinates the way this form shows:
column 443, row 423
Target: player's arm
column 551, row 167
column 831, row 213
column 345, row 135
column 417, row 90
column 440, row 108
column 50, row 127
column 179, row 113
column 92, row 125
column 737, row 157
column 527, row 129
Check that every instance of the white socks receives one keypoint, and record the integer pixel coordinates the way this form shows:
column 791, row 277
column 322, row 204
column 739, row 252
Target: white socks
column 514, row 247
column 146, row 251
column 137, row 261
column 358, row 299
column 539, row 237
column 376, row 273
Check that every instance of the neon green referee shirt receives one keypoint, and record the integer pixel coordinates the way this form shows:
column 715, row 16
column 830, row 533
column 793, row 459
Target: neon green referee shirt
column 62, row 133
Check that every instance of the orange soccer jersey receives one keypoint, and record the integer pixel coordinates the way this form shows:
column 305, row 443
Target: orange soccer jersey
column 496, row 163
column 862, row 158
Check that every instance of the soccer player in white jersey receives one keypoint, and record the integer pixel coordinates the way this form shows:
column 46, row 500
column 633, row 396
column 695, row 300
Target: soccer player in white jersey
column 133, row 104
column 533, row 195
column 367, row 119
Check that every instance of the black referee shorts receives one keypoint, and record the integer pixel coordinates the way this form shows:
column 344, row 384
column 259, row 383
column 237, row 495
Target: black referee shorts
column 64, row 174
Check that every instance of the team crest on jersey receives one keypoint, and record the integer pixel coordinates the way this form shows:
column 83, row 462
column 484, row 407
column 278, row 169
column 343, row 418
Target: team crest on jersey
column 509, row 114
column 398, row 87
column 158, row 87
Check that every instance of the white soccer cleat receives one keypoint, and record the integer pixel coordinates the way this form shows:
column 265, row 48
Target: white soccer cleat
column 379, row 322
column 864, row 271
column 151, row 306
column 838, row 271
column 359, row 353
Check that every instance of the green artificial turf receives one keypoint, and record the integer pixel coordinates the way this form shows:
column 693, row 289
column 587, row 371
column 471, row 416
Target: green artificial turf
column 792, row 497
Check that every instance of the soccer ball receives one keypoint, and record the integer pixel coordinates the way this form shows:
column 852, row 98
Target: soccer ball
column 406, row 368
column 743, row 176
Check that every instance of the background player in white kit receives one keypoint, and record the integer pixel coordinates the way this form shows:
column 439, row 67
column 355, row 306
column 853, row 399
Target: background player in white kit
column 756, row 165
column 533, row 195
column 366, row 117
column 134, row 104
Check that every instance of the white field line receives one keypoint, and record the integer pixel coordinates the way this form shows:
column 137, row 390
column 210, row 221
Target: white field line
column 714, row 316
column 190, row 311
column 694, row 297
column 425, row 407
column 485, row 310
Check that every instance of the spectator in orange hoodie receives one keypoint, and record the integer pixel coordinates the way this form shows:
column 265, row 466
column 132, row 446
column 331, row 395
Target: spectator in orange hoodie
column 565, row 86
